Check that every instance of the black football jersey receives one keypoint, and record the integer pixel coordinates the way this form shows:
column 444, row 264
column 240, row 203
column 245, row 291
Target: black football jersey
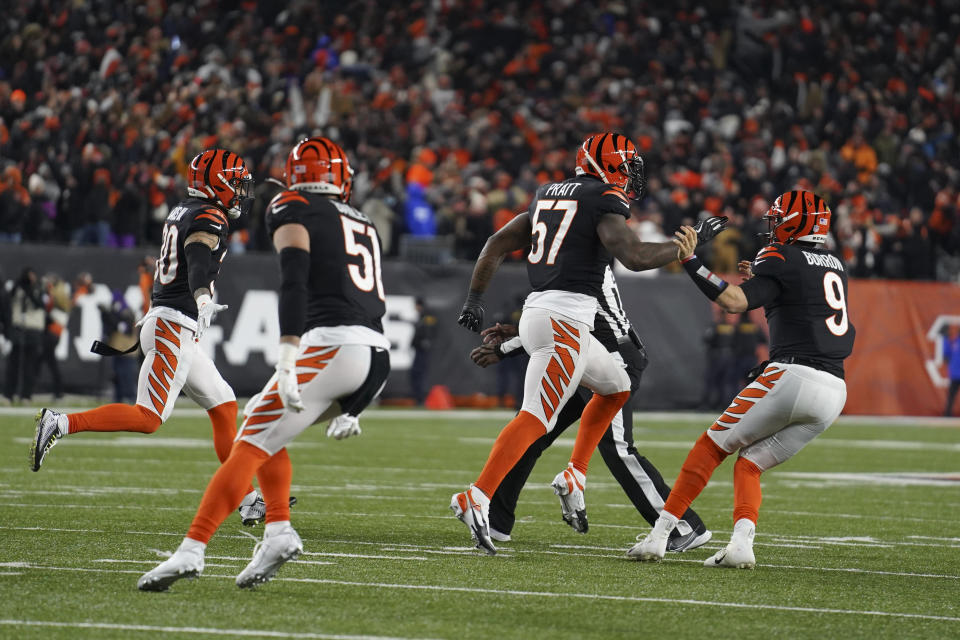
column 565, row 250
column 170, row 285
column 345, row 285
column 809, row 317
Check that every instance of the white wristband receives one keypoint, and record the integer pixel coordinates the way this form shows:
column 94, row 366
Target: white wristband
column 287, row 356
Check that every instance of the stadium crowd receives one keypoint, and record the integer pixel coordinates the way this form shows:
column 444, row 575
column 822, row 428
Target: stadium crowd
column 454, row 110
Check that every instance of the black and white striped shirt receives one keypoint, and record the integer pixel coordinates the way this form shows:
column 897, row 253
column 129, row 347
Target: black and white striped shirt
column 610, row 325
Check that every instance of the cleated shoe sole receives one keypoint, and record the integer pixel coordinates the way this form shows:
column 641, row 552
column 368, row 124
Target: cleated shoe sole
column 45, row 437
column 470, row 514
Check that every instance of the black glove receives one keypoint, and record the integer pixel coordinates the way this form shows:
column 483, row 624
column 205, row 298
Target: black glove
column 471, row 316
column 708, row 228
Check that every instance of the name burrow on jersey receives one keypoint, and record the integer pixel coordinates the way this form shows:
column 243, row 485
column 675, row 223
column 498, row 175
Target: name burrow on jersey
column 823, row 260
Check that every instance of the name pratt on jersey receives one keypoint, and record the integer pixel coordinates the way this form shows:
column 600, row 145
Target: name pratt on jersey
column 823, row 260
column 561, row 189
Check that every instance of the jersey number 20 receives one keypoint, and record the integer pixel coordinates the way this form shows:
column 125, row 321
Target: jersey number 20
column 167, row 264
column 540, row 230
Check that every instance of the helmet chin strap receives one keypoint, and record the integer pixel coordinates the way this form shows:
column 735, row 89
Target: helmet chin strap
column 596, row 167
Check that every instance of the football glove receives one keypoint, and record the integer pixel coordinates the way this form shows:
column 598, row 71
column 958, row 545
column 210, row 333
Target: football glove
column 708, row 228
column 206, row 309
column 287, row 386
column 471, row 316
column 343, row 427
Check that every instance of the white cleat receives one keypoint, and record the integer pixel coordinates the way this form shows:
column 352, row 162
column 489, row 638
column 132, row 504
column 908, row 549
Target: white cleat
column 182, row 564
column 472, row 507
column 736, row 555
column 499, row 536
column 654, row 546
column 46, row 435
column 269, row 555
column 569, row 485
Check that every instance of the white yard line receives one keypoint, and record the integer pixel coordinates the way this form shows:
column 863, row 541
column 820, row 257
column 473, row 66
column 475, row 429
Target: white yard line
column 552, row 595
column 209, row 631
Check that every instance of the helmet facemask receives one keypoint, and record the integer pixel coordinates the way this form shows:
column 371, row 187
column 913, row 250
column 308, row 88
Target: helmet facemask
column 636, row 186
column 242, row 201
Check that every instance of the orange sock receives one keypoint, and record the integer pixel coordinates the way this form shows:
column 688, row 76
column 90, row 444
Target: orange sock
column 226, row 490
column 746, row 490
column 510, row 446
column 223, row 417
column 596, row 417
column 704, row 457
column 115, row 417
column 274, row 477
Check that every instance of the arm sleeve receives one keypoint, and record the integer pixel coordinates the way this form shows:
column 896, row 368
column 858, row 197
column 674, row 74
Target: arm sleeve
column 199, row 258
column 510, row 348
column 294, row 271
column 760, row 291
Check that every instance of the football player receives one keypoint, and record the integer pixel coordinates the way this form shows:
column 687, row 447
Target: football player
column 193, row 247
column 637, row 475
column 333, row 357
column 796, row 395
column 573, row 230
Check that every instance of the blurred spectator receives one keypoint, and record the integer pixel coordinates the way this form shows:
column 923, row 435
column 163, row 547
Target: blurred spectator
column 746, row 342
column 951, row 353
column 6, row 326
column 419, row 217
column 120, row 332
column 57, row 306
column 511, row 371
column 424, row 333
column 730, row 103
column 721, row 371
column 14, row 205
column 27, row 320
column 96, row 212
column 145, row 271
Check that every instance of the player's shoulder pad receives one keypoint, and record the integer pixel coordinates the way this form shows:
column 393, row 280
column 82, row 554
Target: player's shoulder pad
column 209, row 218
column 771, row 259
column 609, row 198
column 286, row 199
column 286, row 207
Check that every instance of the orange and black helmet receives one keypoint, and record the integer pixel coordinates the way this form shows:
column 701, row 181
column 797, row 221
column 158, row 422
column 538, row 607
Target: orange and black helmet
column 614, row 159
column 222, row 177
column 798, row 216
column 319, row 165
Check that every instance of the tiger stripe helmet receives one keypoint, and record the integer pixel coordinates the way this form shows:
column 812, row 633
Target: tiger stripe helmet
column 614, row 159
column 221, row 176
column 319, row 165
column 798, row 216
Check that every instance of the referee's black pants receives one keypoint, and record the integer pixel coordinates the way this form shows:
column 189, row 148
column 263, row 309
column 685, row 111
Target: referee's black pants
column 641, row 481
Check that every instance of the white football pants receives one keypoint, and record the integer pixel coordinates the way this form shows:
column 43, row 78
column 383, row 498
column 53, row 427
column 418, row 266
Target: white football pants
column 563, row 355
column 776, row 415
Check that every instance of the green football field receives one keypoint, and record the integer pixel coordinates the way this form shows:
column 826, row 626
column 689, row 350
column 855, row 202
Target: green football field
column 858, row 538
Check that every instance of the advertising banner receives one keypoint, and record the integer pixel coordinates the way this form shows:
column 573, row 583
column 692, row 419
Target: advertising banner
column 897, row 367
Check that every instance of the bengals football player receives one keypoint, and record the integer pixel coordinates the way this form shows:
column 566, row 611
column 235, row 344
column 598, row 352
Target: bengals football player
column 193, row 247
column 797, row 394
column 573, row 230
column 333, row 357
